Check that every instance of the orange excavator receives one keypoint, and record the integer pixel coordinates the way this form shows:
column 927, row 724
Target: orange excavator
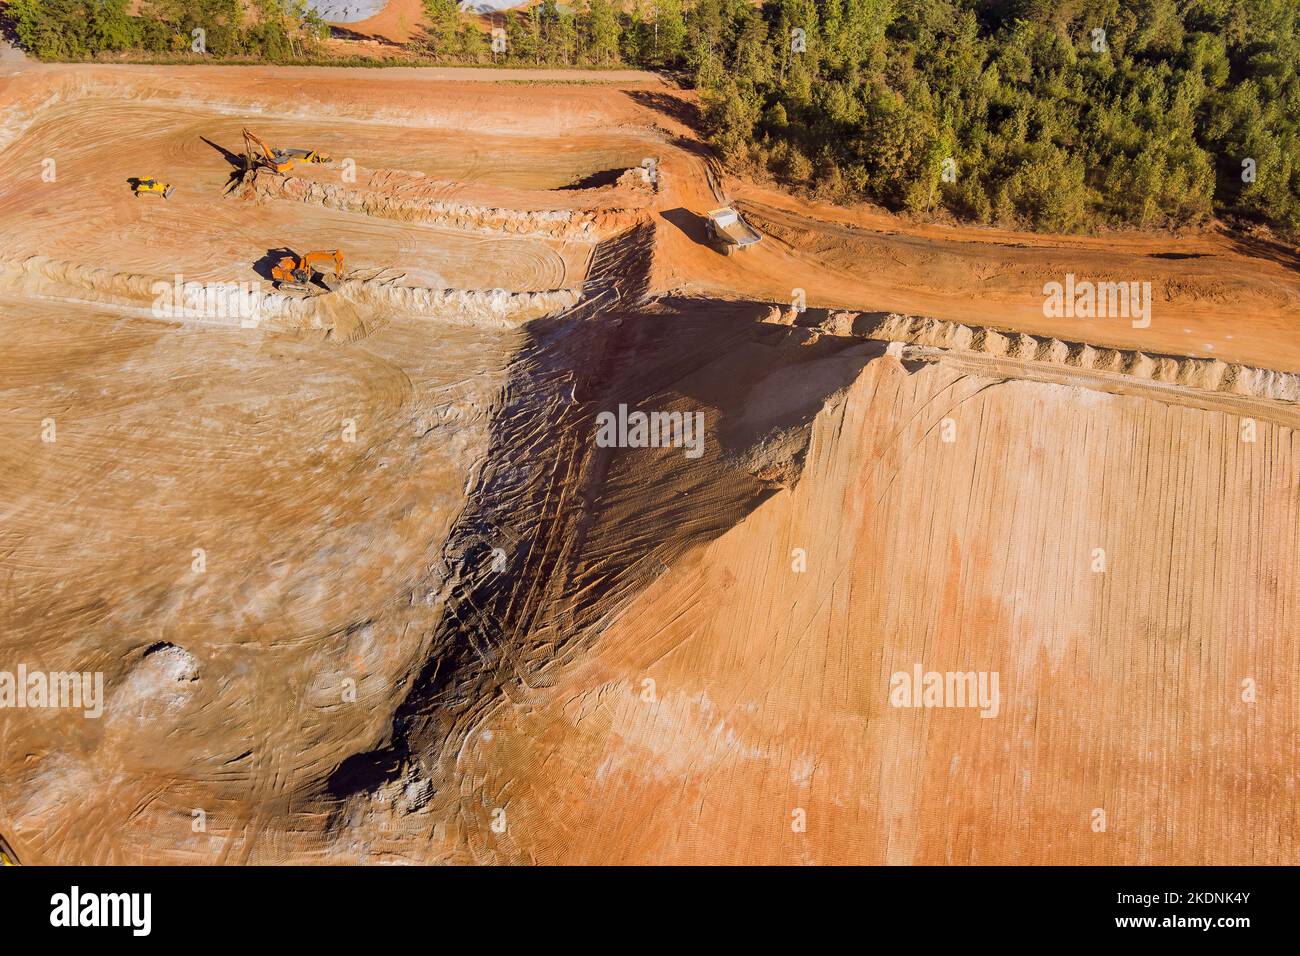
column 298, row 273
column 256, row 152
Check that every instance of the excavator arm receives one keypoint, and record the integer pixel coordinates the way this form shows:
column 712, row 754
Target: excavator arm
column 254, row 144
column 281, row 160
column 311, row 258
column 299, row 272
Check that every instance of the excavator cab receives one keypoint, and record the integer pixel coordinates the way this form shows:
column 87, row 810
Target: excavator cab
column 256, row 152
column 150, row 187
column 299, row 273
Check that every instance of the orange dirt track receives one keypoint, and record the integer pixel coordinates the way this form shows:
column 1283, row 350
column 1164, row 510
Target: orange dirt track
column 363, row 585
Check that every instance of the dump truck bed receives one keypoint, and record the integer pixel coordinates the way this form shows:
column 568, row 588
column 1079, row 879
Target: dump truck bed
column 730, row 227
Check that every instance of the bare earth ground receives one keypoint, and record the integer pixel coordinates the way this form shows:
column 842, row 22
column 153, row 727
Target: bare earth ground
column 364, row 587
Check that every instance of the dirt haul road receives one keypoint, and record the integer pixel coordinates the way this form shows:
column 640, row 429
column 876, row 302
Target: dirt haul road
column 364, row 580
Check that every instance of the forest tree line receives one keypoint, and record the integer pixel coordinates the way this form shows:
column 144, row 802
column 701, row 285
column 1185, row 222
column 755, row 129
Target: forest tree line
column 277, row 31
column 1061, row 115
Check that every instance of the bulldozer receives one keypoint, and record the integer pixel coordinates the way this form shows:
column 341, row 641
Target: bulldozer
column 257, row 152
column 148, row 186
column 294, row 273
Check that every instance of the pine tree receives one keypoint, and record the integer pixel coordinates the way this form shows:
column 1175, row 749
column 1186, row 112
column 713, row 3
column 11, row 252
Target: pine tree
column 442, row 27
column 603, row 32
column 670, row 33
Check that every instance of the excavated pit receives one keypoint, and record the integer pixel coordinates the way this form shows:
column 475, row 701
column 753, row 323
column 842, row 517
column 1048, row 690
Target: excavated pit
column 389, row 598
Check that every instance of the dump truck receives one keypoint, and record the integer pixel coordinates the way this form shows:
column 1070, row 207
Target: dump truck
column 729, row 231
column 257, row 152
column 294, row 273
column 148, row 186
column 305, row 155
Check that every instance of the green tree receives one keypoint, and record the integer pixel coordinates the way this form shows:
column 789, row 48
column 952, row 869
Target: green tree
column 52, row 29
column 670, row 33
column 111, row 28
column 602, row 32
column 442, row 26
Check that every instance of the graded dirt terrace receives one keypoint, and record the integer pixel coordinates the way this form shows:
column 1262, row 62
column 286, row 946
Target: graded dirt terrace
column 364, row 586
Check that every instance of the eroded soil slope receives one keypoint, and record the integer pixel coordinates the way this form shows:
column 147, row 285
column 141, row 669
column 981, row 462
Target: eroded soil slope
column 750, row 681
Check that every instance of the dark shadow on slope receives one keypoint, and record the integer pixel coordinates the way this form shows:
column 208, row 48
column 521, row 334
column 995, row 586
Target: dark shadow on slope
column 241, row 165
column 234, row 159
column 584, row 528
column 1270, row 249
column 689, row 115
column 343, row 33
column 596, row 180
column 674, row 107
column 692, row 224
column 264, row 265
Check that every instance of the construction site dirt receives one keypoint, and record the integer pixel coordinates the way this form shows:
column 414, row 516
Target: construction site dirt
column 302, row 457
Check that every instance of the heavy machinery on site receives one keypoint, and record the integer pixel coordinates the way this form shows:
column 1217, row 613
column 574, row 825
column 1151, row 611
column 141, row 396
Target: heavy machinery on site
column 729, row 231
column 148, row 186
column 294, row 273
column 258, row 153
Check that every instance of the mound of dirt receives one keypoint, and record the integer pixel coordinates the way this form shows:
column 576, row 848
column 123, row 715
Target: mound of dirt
column 578, row 225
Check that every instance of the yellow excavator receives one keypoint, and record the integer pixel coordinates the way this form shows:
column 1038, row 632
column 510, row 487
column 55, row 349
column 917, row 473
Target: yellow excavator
column 296, row 273
column 148, row 186
column 257, row 152
column 7, row 855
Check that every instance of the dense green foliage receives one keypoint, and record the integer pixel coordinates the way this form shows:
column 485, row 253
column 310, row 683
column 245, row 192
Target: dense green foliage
column 1007, row 111
column 1043, row 120
column 1016, row 112
column 1034, row 118
column 278, row 30
column 546, row 34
